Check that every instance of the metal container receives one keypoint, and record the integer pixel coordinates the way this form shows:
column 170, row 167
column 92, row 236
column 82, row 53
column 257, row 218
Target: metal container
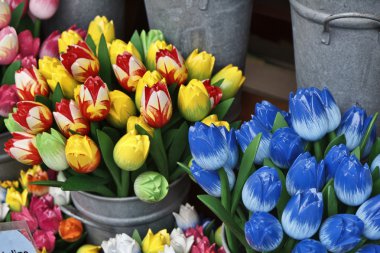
column 9, row 168
column 105, row 217
column 337, row 45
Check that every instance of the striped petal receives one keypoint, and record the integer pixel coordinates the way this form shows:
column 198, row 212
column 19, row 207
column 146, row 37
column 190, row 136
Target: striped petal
column 369, row 213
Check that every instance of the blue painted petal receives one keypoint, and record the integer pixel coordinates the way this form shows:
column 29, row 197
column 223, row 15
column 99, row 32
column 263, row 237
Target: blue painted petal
column 369, row 213
column 302, row 215
column 208, row 180
column 369, row 248
column 263, row 232
column 333, row 113
column 375, row 163
column 262, row 190
column 341, row 232
column 266, row 113
column 372, row 136
column 309, row 246
column 352, row 182
column 231, row 177
column 334, row 157
column 352, row 125
column 285, row 146
column 233, row 149
column 208, row 146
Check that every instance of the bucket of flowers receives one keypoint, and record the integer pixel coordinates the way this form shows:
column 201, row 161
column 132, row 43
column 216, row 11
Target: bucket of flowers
column 306, row 180
column 114, row 117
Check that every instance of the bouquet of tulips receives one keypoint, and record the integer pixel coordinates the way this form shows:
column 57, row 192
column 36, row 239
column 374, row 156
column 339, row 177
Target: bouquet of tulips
column 307, row 180
column 111, row 114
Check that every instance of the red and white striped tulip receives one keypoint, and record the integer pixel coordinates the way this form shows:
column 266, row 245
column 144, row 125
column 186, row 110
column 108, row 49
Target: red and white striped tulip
column 215, row 93
column 43, row 9
column 171, row 65
column 30, row 83
column 28, row 61
column 22, row 147
column 156, row 105
column 5, row 14
column 33, row 117
column 94, row 100
column 50, row 45
column 8, row 45
column 80, row 61
column 69, row 118
column 128, row 70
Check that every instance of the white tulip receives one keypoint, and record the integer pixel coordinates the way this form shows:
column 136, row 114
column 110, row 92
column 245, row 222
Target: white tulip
column 168, row 249
column 61, row 198
column 179, row 242
column 187, row 217
column 4, row 209
column 3, row 194
column 122, row 243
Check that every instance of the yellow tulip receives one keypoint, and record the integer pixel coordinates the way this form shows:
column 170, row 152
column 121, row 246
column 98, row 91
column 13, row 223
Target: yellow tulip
column 155, row 243
column 30, row 172
column 138, row 120
column 131, row 151
column 200, row 65
column 8, row 184
column 193, row 101
column 152, row 51
column 232, row 80
column 122, row 107
column 213, row 119
column 68, row 84
column 118, row 47
column 149, row 79
column 89, row 248
column 68, row 38
column 46, row 66
column 16, row 200
column 101, row 25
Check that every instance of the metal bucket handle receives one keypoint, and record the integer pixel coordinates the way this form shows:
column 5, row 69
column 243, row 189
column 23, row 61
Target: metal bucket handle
column 73, row 212
column 326, row 23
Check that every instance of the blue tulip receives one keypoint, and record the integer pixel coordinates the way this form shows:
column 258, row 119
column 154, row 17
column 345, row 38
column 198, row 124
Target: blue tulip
column 308, row 114
column 209, row 180
column 208, row 146
column 375, row 163
column 369, row 248
column 341, row 232
column 266, row 112
column 333, row 113
column 352, row 181
column 285, row 147
column 369, row 213
column 248, row 132
column 262, row 190
column 334, row 157
column 263, row 232
column 352, row 126
column 302, row 215
column 305, row 173
column 309, row 246
column 372, row 137
column 233, row 149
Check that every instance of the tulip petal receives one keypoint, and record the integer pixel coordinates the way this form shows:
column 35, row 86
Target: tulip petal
column 369, row 213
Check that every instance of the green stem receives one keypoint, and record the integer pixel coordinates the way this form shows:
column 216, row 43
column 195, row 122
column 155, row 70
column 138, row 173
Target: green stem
column 164, row 170
column 289, row 245
column 318, row 150
column 225, row 195
column 332, row 135
column 330, row 182
column 124, row 186
column 231, row 240
column 37, row 28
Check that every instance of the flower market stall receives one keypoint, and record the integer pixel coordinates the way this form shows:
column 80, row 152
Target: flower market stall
column 115, row 145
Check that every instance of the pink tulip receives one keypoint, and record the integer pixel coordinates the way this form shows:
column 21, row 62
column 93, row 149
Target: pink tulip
column 28, row 44
column 196, row 232
column 27, row 61
column 26, row 216
column 203, row 246
column 14, row 3
column 44, row 239
column 50, row 46
column 5, row 14
column 8, row 45
column 39, row 204
column 8, row 99
column 49, row 219
column 78, row 30
column 43, row 9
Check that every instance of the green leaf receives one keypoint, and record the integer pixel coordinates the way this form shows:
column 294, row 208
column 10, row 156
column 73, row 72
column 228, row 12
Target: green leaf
column 376, row 188
column 51, row 183
column 105, row 71
column 9, row 75
column 178, row 146
column 136, row 236
column 368, row 132
column 279, row 122
column 94, row 126
column 210, row 227
column 222, row 109
column 284, row 197
column 57, row 95
column 289, row 245
column 43, row 100
column 169, row 137
column 375, row 151
column 136, row 41
column 216, row 207
column 113, row 133
column 16, row 15
column 235, row 124
column 26, row 23
column 356, row 152
column 331, row 201
column 87, row 183
column 218, row 83
column 90, row 43
column 225, row 190
column 187, row 170
column 245, row 170
column 341, row 139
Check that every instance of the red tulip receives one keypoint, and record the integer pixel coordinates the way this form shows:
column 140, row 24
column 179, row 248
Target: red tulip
column 49, row 219
column 39, row 204
column 50, row 45
column 80, row 61
column 14, row 3
column 44, row 239
column 22, row 147
column 8, row 99
column 27, row 44
column 215, row 93
column 43, row 9
column 128, row 70
column 30, row 83
column 25, row 215
column 170, row 64
column 27, row 61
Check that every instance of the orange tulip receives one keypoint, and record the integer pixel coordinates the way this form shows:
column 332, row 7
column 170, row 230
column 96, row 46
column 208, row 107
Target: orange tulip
column 70, row 229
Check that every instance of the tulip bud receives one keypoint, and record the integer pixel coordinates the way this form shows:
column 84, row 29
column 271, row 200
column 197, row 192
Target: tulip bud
column 352, row 181
column 152, row 52
column 22, row 147
column 334, row 157
column 101, row 25
column 369, row 248
column 28, row 45
column 50, row 45
column 134, row 120
column 302, row 215
column 43, row 9
column 263, row 232
column 16, row 200
column 119, row 47
column 304, row 174
column 179, row 242
column 128, row 70
column 5, row 14
column 156, row 105
column 68, row 38
column 51, row 148
column 70, row 229
column 232, row 80
column 194, row 101
column 262, row 190
column 30, row 83
column 44, row 239
column 248, row 131
column 187, row 217
column 154, row 243
column 82, row 154
column 33, row 117
column 214, row 92
column 341, row 232
column 121, row 108
column 309, row 245
column 8, row 99
column 200, row 65
column 266, row 114
column 151, row 187
column 8, row 45
column 369, row 213
column 149, row 79
column 59, row 75
column 89, row 248
column 80, row 61
column 121, row 243
column 24, row 215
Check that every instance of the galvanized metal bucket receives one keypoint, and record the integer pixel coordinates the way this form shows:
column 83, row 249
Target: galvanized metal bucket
column 337, row 45
column 105, row 217
column 9, row 168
